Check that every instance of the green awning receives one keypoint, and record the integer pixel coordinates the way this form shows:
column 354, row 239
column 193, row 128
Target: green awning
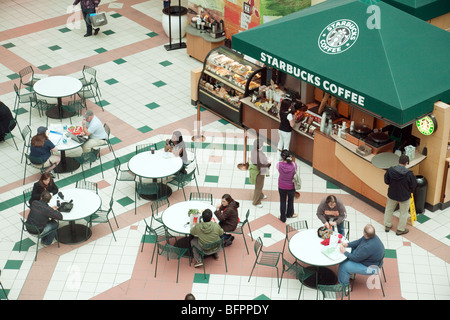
column 422, row 9
column 396, row 72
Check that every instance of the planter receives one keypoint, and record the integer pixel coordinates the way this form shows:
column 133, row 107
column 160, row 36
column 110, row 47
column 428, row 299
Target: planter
column 175, row 13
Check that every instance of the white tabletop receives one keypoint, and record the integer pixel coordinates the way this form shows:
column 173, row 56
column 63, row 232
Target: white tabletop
column 85, row 203
column 57, row 135
column 176, row 218
column 57, row 86
column 158, row 165
column 306, row 246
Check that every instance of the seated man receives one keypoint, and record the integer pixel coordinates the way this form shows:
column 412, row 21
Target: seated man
column 94, row 130
column 204, row 232
column 43, row 217
column 367, row 253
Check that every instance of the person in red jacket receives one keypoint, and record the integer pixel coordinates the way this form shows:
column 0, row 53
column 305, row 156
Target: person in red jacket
column 227, row 213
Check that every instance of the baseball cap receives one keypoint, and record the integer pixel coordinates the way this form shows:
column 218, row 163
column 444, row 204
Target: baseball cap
column 41, row 130
column 88, row 114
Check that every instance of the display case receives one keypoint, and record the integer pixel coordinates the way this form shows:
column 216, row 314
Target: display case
column 227, row 78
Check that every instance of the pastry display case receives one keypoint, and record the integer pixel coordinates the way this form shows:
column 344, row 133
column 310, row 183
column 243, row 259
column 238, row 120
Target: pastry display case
column 227, row 78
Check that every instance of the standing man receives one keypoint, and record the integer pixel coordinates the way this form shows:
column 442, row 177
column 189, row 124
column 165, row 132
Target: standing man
column 94, row 130
column 88, row 7
column 402, row 183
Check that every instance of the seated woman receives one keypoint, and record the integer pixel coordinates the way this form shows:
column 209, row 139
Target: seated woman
column 45, row 183
column 41, row 150
column 177, row 146
column 227, row 213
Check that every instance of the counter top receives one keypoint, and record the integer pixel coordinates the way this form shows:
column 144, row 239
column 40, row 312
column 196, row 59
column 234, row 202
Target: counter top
column 352, row 147
column 205, row 35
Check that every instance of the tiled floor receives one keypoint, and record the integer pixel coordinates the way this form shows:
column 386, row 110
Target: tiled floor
column 146, row 95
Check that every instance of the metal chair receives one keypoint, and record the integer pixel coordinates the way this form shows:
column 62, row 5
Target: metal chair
column 28, row 77
column 170, row 252
column 265, row 258
column 347, row 229
column 145, row 147
column 89, row 157
column 298, row 272
column 29, row 98
column 108, row 141
column 32, row 162
column 148, row 189
column 73, row 107
column 294, row 226
column 240, row 229
column 89, row 75
column 336, row 291
column 102, row 216
column 201, row 196
column 156, row 205
column 12, row 124
column 377, row 272
column 3, row 289
column 26, row 137
column 158, row 234
column 88, row 185
column 208, row 249
column 26, row 197
column 91, row 91
column 121, row 175
column 33, row 230
column 181, row 180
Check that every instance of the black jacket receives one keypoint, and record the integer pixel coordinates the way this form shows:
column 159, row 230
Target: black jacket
column 401, row 181
column 40, row 214
column 37, row 190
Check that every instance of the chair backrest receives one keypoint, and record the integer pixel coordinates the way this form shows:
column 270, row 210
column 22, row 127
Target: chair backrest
column 246, row 216
column 201, row 196
column 25, row 132
column 185, row 179
column 89, row 71
column 117, row 165
column 170, row 251
column 12, row 124
column 257, row 247
column 337, row 291
column 31, row 160
column 158, row 203
column 144, row 147
column 27, row 194
column 294, row 269
column 16, row 89
column 212, row 245
column 107, row 129
column 297, row 225
column 31, row 228
column 26, row 71
column 88, row 185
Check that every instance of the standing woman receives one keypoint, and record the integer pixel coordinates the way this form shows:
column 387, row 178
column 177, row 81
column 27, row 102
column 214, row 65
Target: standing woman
column 41, row 150
column 259, row 159
column 286, row 188
column 88, row 7
column 286, row 124
column 45, row 183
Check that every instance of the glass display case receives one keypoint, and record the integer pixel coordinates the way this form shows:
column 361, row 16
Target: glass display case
column 227, row 78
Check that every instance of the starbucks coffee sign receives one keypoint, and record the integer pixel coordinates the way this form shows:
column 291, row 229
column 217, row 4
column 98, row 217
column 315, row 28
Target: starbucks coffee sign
column 338, row 36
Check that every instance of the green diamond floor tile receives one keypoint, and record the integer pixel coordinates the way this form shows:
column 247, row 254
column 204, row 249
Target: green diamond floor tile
column 102, row 103
column 8, row 45
column 26, row 244
column 212, row 179
column 119, row 61
column 55, row 47
column 114, row 140
column 125, row 201
column 165, row 63
column 116, row 15
column 64, row 30
column 13, row 76
column 2, row 294
column 108, row 32
column 421, row 218
column 145, row 129
column 20, row 111
column 152, row 105
column 13, row 264
column 100, row 50
column 247, row 180
column 262, row 297
column 390, row 253
column 111, row 81
column 159, row 83
column 200, row 278
column 44, row 67
column 149, row 238
column 152, row 34
column 331, row 186
column 267, row 235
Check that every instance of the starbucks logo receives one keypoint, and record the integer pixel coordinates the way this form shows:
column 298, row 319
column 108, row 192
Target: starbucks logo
column 338, row 36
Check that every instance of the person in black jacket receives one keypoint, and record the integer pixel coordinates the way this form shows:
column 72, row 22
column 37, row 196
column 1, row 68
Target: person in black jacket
column 45, row 183
column 43, row 217
column 5, row 118
column 402, row 183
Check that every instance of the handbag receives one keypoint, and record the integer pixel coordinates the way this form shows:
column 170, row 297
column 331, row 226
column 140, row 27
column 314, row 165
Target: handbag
column 98, row 19
column 253, row 173
column 66, row 206
column 297, row 180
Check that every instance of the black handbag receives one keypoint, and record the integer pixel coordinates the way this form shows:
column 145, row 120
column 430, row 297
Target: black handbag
column 66, row 206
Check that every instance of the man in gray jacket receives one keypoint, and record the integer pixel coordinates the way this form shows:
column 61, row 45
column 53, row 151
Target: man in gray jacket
column 402, row 183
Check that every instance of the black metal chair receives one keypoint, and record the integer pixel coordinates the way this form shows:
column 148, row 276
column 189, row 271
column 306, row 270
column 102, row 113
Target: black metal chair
column 33, row 230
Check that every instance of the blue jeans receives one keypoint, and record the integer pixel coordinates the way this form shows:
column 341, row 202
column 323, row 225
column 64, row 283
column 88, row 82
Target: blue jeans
column 52, row 228
column 340, row 228
column 289, row 194
column 348, row 268
column 86, row 15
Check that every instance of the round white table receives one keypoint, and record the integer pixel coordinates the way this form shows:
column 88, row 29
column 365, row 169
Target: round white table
column 306, row 247
column 159, row 165
column 176, row 217
column 58, row 87
column 85, row 203
column 67, row 164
